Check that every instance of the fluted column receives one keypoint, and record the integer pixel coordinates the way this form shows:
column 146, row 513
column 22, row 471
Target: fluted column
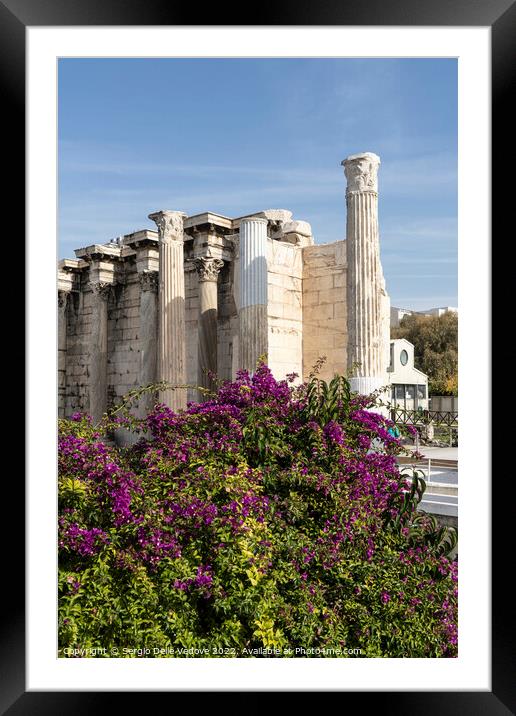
column 208, row 269
column 98, row 383
column 171, row 313
column 61, row 350
column 364, row 309
column 149, row 281
column 253, row 339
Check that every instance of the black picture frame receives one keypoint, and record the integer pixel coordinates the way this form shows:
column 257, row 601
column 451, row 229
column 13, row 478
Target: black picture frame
column 500, row 16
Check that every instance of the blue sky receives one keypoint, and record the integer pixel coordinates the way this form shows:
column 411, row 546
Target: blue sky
column 235, row 136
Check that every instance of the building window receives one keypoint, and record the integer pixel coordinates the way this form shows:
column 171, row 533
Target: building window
column 400, row 392
column 421, row 392
column 410, row 394
column 403, row 357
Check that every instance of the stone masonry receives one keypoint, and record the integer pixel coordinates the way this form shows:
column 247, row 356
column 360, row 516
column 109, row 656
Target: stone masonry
column 208, row 295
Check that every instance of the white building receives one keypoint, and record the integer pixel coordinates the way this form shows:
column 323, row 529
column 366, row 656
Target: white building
column 398, row 313
column 409, row 386
column 440, row 311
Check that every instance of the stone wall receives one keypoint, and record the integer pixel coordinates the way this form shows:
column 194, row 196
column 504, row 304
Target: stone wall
column 306, row 319
column 251, row 285
column 285, row 308
column 123, row 346
column 324, row 308
column 78, row 329
column 191, row 330
column 386, row 328
column 123, row 336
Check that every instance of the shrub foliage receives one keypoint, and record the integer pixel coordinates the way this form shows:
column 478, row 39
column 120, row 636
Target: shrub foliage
column 268, row 520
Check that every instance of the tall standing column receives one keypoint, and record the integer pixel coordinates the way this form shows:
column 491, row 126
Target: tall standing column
column 171, row 320
column 208, row 269
column 364, row 309
column 253, row 339
column 61, row 350
column 98, row 383
column 149, row 281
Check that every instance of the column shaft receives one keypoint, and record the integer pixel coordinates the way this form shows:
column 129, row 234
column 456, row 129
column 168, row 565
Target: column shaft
column 362, row 291
column 98, row 350
column 208, row 270
column 364, row 278
column 253, row 333
column 148, row 337
column 171, row 322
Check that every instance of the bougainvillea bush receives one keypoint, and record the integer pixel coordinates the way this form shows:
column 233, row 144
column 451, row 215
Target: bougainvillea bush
column 269, row 520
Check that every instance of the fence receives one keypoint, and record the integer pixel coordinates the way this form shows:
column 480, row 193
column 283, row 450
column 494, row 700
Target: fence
column 449, row 403
column 431, row 424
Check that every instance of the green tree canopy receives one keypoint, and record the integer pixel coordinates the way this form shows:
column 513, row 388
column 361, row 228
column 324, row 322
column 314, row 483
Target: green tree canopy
column 435, row 340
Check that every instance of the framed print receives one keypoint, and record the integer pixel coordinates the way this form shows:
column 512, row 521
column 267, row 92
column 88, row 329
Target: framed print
column 37, row 43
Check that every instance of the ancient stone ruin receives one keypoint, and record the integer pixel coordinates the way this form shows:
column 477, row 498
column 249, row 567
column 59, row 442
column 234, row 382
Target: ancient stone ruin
column 210, row 294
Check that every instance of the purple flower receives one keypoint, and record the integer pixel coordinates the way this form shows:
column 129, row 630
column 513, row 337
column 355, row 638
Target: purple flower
column 82, row 541
column 255, row 478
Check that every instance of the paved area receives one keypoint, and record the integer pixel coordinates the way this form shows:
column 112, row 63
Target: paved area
column 439, row 504
column 449, row 477
column 446, row 475
column 437, row 453
column 434, row 501
column 441, row 474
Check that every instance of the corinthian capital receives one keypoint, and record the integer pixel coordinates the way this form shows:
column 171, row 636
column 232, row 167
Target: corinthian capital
column 207, row 267
column 170, row 225
column 361, row 171
column 149, row 281
column 102, row 290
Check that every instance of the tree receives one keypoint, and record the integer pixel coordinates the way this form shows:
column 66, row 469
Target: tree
column 435, row 348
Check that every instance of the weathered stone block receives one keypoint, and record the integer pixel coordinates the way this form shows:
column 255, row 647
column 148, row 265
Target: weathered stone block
column 275, row 309
column 339, row 279
column 339, row 311
column 130, row 334
column 320, row 312
column 314, row 272
column 330, row 295
column 340, row 340
column 310, row 298
column 276, row 294
column 292, row 312
column 340, row 253
column 133, row 322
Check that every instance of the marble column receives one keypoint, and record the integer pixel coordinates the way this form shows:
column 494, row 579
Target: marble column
column 62, row 315
column 98, row 383
column 149, row 281
column 253, row 338
column 364, row 306
column 208, row 269
column 171, row 314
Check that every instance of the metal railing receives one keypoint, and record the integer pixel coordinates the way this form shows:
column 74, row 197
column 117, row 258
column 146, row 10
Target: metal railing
column 424, row 417
column 427, row 463
column 444, row 425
